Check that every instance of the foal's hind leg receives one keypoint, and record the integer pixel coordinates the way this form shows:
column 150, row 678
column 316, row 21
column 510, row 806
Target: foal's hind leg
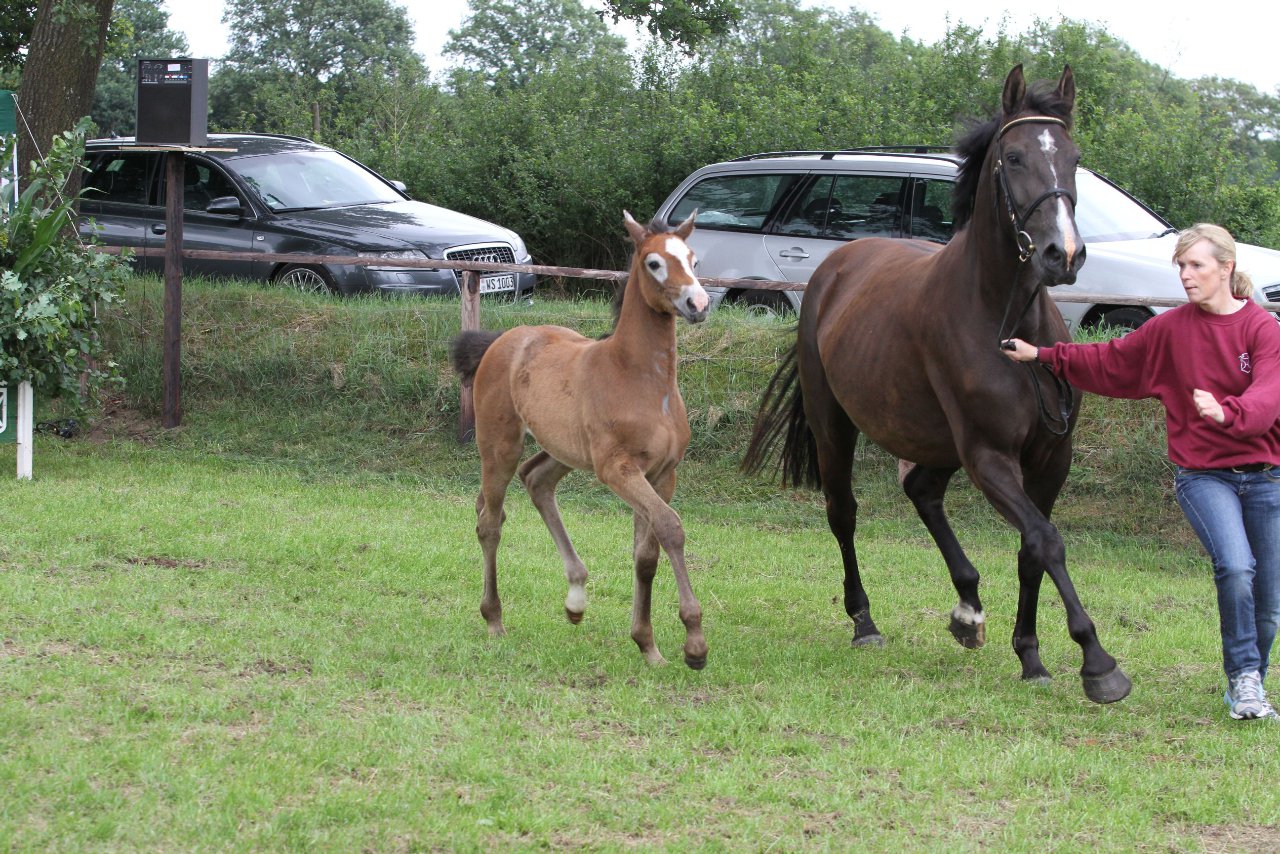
column 540, row 474
column 926, row 488
column 646, row 556
column 498, row 459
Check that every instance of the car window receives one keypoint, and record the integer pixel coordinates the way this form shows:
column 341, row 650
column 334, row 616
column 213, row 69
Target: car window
column 1105, row 212
column 931, row 210
column 201, row 184
column 309, row 180
column 734, row 202
column 120, row 178
column 845, row 207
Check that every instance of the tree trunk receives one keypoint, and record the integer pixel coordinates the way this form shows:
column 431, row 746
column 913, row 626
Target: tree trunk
column 60, row 73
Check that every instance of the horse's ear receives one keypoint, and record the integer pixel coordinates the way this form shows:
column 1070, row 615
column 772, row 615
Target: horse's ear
column 635, row 229
column 1067, row 86
column 1015, row 89
column 686, row 227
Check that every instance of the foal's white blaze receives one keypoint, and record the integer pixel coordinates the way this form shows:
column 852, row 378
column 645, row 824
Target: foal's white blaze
column 963, row 613
column 1049, row 147
column 678, row 252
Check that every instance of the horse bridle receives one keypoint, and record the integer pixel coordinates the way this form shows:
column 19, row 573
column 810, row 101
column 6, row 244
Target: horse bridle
column 1027, row 248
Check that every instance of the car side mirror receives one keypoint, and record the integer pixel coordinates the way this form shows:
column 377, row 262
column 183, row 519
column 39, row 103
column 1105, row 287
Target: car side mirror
column 401, row 186
column 225, row 205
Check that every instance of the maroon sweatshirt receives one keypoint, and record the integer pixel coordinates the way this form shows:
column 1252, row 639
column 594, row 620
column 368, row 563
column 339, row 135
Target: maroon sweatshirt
column 1235, row 357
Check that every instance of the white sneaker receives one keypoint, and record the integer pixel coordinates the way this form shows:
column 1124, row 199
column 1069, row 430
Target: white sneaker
column 1246, row 699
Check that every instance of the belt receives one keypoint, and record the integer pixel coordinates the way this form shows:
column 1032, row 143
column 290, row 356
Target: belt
column 1248, row 468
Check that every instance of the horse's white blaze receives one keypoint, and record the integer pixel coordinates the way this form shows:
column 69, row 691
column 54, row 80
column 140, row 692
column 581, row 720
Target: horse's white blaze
column 966, row 614
column 681, row 254
column 1065, row 226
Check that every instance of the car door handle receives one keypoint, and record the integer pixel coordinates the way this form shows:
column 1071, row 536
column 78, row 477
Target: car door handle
column 159, row 228
column 795, row 253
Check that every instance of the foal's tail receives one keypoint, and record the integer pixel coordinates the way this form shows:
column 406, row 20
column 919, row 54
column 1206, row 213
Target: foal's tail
column 467, row 349
column 781, row 414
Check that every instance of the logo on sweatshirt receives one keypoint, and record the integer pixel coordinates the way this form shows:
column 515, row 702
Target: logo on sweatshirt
column 1245, row 367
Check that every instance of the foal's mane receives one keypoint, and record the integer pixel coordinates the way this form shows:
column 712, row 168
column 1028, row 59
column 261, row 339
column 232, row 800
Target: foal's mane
column 655, row 226
column 1042, row 99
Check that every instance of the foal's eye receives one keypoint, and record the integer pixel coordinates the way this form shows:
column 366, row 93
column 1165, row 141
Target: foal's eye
column 654, row 265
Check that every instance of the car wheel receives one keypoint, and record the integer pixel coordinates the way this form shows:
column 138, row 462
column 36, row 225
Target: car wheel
column 1125, row 317
column 763, row 303
column 311, row 280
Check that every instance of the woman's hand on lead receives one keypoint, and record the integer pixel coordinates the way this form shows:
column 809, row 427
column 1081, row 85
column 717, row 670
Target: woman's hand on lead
column 1019, row 350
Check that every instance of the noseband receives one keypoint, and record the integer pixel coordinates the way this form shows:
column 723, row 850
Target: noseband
column 1026, row 246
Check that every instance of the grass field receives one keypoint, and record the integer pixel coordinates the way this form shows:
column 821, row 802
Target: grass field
column 261, row 632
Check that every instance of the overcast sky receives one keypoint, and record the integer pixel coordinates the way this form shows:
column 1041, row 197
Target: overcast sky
column 1192, row 39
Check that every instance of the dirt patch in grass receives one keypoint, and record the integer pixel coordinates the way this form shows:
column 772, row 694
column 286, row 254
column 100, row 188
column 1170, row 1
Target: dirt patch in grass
column 1235, row 839
column 118, row 420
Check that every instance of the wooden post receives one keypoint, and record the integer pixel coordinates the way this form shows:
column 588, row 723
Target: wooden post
column 175, row 167
column 470, row 293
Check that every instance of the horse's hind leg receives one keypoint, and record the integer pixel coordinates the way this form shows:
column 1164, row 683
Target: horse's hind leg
column 836, row 439
column 498, row 458
column 926, row 488
column 540, row 475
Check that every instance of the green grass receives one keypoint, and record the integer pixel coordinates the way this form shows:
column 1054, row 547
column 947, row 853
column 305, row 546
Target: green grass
column 261, row 632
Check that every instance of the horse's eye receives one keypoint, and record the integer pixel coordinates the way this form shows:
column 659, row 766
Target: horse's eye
column 653, row 265
column 1014, row 160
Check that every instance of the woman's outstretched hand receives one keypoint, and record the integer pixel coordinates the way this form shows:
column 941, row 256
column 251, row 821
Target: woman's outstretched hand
column 1019, row 350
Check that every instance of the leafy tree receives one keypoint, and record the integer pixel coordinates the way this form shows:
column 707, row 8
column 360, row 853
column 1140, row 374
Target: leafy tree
column 508, row 42
column 296, row 53
column 139, row 28
column 58, row 77
column 683, row 22
column 16, row 20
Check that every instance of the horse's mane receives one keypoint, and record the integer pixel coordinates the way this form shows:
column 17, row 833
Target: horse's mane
column 655, row 226
column 1041, row 98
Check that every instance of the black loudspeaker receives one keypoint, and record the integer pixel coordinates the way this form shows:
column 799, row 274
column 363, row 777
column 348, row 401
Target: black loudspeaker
column 173, row 101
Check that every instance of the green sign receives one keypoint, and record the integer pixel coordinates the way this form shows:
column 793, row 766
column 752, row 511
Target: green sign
column 8, row 415
column 8, row 113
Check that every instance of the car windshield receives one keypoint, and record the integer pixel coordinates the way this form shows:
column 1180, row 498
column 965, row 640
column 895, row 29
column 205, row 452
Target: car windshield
column 1106, row 213
column 307, row 180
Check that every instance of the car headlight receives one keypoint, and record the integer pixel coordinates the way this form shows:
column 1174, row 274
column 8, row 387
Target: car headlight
column 390, row 257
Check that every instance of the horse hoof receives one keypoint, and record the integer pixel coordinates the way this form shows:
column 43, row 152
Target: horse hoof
column 1107, row 688
column 968, row 635
column 575, row 617
column 876, row 640
column 696, row 662
column 496, row 630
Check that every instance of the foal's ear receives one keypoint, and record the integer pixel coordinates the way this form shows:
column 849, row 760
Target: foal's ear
column 1067, row 86
column 635, row 229
column 1015, row 89
column 686, row 227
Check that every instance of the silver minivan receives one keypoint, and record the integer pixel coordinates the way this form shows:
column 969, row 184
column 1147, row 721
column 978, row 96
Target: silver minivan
column 778, row 215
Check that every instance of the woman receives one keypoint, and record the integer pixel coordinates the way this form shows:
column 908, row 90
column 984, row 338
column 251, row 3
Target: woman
column 1215, row 366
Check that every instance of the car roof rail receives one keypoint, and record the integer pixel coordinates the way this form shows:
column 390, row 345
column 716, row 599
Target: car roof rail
column 829, row 154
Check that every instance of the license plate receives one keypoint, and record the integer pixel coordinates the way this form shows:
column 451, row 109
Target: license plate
column 497, row 284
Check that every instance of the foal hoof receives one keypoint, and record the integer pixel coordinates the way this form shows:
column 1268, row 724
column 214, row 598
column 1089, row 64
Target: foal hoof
column 875, row 640
column 968, row 635
column 695, row 662
column 1107, row 688
column 574, row 617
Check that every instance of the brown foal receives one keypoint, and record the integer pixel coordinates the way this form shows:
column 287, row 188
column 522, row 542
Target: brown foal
column 607, row 405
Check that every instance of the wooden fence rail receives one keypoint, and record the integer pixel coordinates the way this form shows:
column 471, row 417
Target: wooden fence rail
column 470, row 293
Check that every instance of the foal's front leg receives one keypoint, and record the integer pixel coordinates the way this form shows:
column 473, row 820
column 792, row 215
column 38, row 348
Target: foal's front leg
column 540, row 475
column 650, row 504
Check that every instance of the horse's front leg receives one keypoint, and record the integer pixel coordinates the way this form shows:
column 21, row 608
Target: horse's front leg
column 926, row 488
column 540, row 475
column 628, row 482
column 1000, row 479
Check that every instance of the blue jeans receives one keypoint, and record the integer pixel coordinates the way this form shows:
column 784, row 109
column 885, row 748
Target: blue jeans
column 1237, row 518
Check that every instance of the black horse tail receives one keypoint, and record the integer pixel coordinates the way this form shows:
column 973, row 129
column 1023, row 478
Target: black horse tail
column 468, row 348
column 781, row 414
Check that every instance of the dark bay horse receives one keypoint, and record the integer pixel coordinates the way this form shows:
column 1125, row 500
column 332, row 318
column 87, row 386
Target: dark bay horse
column 899, row 340
column 611, row 406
